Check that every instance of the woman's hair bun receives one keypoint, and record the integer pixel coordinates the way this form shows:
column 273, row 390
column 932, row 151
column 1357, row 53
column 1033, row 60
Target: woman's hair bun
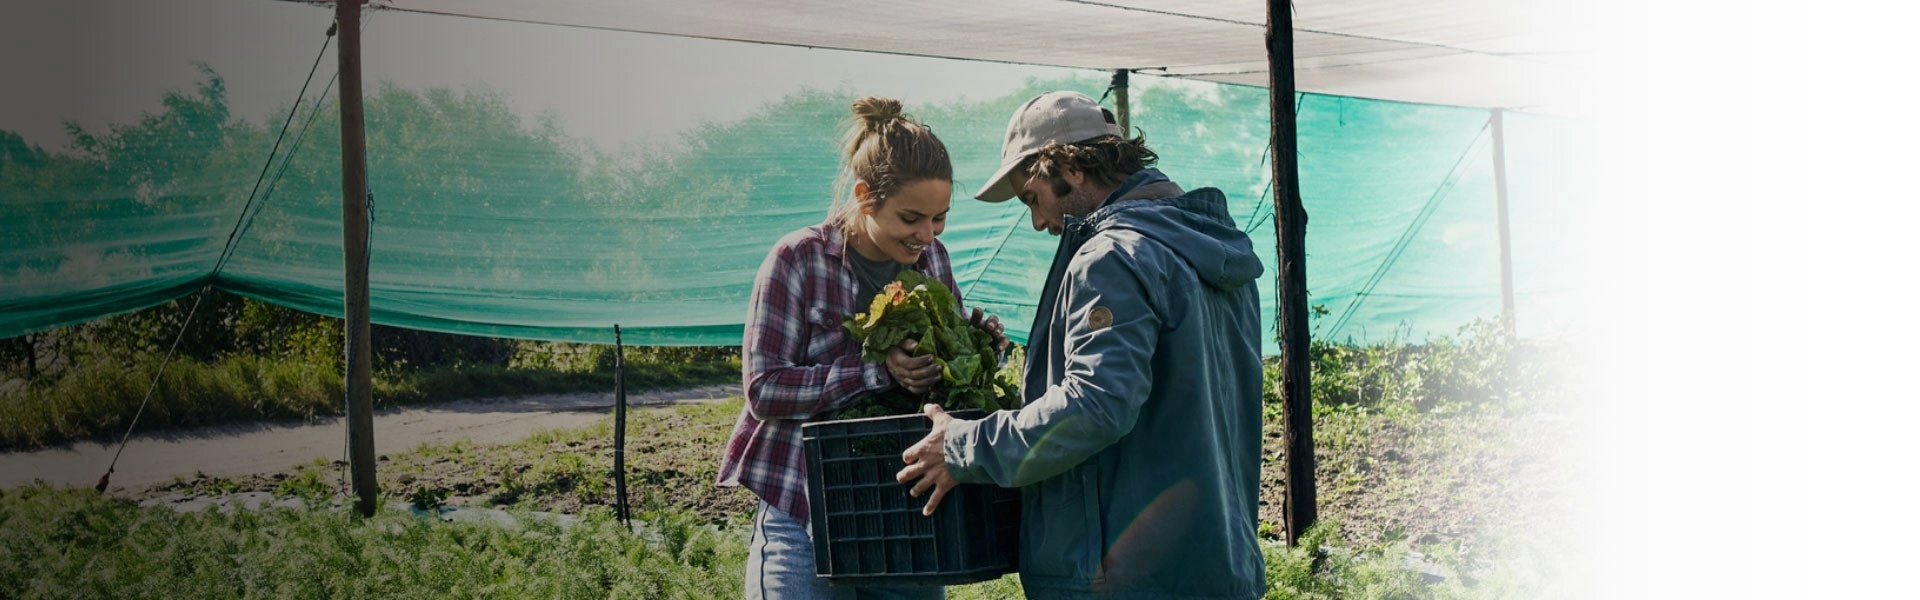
column 876, row 111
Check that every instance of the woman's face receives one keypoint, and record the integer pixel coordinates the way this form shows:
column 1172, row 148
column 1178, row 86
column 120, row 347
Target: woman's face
column 901, row 226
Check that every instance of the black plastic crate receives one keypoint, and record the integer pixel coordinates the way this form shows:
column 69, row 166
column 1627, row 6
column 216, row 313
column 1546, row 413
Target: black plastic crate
column 868, row 531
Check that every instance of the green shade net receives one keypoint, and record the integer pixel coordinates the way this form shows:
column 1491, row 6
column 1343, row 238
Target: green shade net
column 486, row 222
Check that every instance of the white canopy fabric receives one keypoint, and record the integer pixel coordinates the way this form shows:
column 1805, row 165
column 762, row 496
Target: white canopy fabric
column 1514, row 54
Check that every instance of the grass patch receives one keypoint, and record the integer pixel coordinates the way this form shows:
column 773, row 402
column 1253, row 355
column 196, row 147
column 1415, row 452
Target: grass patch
column 1431, row 478
column 1448, row 454
column 1432, row 496
column 1324, row 567
column 1436, row 443
column 76, row 544
column 73, row 543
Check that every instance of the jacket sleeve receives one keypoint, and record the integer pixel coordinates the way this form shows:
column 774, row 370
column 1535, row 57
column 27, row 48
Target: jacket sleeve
column 780, row 380
column 1108, row 374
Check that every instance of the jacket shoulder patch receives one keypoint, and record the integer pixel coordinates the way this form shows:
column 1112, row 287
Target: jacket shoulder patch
column 1099, row 318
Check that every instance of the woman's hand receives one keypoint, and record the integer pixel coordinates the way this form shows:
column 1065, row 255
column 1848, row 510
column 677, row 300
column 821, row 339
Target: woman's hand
column 917, row 374
column 992, row 325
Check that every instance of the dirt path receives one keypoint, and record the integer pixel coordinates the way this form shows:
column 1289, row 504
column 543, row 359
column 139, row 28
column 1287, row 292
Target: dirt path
column 238, row 450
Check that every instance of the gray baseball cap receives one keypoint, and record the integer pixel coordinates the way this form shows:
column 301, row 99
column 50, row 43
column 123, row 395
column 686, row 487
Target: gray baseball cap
column 1053, row 117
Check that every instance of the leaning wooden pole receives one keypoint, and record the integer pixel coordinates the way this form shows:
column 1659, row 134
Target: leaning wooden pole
column 1290, row 223
column 1120, row 102
column 1507, row 315
column 353, row 220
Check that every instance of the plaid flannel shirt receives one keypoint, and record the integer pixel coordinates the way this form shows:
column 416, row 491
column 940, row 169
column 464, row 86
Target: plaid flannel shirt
column 798, row 363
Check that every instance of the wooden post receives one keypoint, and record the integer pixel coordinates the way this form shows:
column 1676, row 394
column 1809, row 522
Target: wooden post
column 1507, row 315
column 1120, row 102
column 353, row 220
column 620, row 429
column 1290, row 224
column 33, row 355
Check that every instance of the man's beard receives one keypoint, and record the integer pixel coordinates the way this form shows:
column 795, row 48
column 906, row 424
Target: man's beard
column 1078, row 201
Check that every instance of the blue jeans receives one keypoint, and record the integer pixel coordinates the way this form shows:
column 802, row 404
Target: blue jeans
column 780, row 566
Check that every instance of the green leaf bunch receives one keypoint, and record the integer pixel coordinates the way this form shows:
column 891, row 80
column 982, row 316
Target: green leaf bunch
column 917, row 307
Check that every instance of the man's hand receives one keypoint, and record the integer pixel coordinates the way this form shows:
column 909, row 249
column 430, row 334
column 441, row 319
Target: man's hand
column 917, row 374
column 992, row 325
column 927, row 462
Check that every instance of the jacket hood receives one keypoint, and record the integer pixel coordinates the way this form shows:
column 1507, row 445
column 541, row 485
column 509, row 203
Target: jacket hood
column 1195, row 225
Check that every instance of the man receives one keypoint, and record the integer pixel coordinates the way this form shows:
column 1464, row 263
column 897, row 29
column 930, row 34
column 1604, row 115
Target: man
column 1137, row 448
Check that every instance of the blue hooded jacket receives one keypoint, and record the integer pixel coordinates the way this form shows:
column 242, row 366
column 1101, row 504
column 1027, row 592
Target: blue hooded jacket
column 1137, row 448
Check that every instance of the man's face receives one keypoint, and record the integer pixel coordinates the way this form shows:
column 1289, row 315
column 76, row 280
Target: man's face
column 1045, row 201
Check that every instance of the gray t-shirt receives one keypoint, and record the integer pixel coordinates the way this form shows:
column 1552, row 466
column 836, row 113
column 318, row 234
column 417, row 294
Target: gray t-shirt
column 871, row 275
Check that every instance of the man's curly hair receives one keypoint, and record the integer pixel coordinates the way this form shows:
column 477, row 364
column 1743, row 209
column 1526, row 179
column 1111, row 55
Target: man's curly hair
column 1107, row 161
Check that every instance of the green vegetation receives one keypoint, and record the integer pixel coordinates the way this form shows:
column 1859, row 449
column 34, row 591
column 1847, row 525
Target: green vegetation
column 1447, row 453
column 1478, row 368
column 920, row 308
column 1439, row 454
column 1466, row 486
column 77, row 544
column 1323, row 567
column 1434, row 443
column 242, row 360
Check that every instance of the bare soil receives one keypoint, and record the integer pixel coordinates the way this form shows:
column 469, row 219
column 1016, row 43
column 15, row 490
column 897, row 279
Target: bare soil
column 238, row 451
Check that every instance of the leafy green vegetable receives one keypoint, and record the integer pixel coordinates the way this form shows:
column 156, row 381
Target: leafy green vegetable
column 919, row 307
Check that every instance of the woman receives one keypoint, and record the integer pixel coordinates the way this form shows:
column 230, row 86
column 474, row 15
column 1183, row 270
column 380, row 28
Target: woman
column 799, row 364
